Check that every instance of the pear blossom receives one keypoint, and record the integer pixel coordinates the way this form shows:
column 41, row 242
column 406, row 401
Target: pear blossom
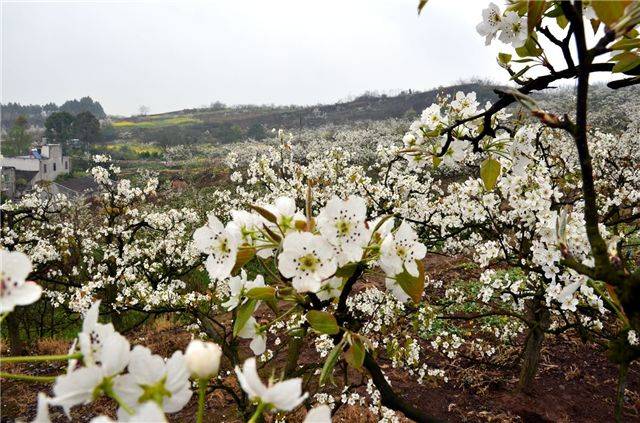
column 246, row 226
column 491, row 23
column 342, row 223
column 319, row 414
column 15, row 290
column 284, row 209
column 238, row 286
column 394, row 287
column 151, row 377
column 252, row 330
column 42, row 415
column 381, row 226
column 105, row 354
column 147, row 412
column 401, row 250
column 514, row 29
column 632, row 337
column 220, row 244
column 93, row 337
column 466, row 104
column 81, row 386
column 203, row 358
column 330, row 288
column 308, row 259
column 432, row 117
column 566, row 297
column 285, row 395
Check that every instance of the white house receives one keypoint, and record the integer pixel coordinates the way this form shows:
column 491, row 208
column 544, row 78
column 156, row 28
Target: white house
column 42, row 164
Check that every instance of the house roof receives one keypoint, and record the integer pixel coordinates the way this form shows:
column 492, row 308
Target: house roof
column 81, row 184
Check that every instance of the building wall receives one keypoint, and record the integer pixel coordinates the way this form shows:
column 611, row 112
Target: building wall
column 8, row 182
column 49, row 168
column 21, row 163
column 55, row 164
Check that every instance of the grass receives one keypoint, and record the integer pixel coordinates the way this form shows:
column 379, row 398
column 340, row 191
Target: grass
column 134, row 147
column 157, row 123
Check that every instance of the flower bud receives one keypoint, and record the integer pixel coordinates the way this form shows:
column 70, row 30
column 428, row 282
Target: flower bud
column 203, row 358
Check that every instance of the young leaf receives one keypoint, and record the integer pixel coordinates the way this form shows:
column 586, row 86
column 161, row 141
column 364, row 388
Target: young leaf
column 273, row 235
column 562, row 21
column 489, row 172
column 534, row 14
column 323, row 322
column 625, row 62
column 413, row 286
column 504, row 58
column 330, row 363
column 262, row 293
column 244, row 256
column 244, row 312
column 265, row 213
column 355, row 354
column 609, row 11
column 347, row 270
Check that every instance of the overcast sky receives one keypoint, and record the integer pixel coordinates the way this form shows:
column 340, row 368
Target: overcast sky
column 170, row 55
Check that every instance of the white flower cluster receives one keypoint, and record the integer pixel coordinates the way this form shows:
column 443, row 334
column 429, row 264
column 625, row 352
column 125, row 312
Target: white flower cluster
column 308, row 251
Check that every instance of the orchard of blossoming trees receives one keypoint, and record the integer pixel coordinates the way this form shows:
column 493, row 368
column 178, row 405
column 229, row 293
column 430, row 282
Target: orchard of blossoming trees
column 322, row 247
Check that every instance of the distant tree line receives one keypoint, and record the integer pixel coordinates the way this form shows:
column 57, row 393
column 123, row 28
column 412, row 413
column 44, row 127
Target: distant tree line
column 72, row 132
column 37, row 114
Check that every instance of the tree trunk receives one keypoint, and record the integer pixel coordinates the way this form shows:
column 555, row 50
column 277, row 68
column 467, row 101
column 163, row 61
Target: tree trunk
column 111, row 292
column 389, row 398
column 539, row 314
column 15, row 344
column 622, row 384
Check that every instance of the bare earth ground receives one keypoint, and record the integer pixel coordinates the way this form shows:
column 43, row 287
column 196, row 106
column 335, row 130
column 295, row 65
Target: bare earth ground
column 576, row 383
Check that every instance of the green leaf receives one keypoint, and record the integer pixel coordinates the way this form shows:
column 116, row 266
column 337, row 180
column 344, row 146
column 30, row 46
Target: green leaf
column 323, row 322
column 347, row 270
column 530, row 48
column 609, row 11
column 520, row 72
column 355, row 354
column 504, row 58
column 626, row 44
column 262, row 293
column 243, row 257
column 244, row 313
column 489, row 172
column 562, row 21
column 413, row 286
column 534, row 13
column 625, row 62
column 327, row 370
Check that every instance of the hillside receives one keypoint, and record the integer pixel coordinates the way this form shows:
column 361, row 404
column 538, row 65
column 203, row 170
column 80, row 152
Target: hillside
column 230, row 124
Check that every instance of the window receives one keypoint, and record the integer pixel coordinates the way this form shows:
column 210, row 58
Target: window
column 45, row 168
column 54, row 167
column 66, row 165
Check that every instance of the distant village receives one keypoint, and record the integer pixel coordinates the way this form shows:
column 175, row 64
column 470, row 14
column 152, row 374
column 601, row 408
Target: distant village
column 41, row 167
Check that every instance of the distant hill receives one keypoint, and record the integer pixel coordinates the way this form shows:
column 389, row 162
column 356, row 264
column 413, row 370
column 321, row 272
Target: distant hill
column 229, row 124
column 37, row 114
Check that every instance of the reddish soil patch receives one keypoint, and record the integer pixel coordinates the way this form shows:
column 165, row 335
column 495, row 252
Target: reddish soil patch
column 576, row 382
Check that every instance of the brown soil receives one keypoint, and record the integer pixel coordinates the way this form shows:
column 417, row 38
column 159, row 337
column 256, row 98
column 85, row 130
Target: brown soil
column 575, row 383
